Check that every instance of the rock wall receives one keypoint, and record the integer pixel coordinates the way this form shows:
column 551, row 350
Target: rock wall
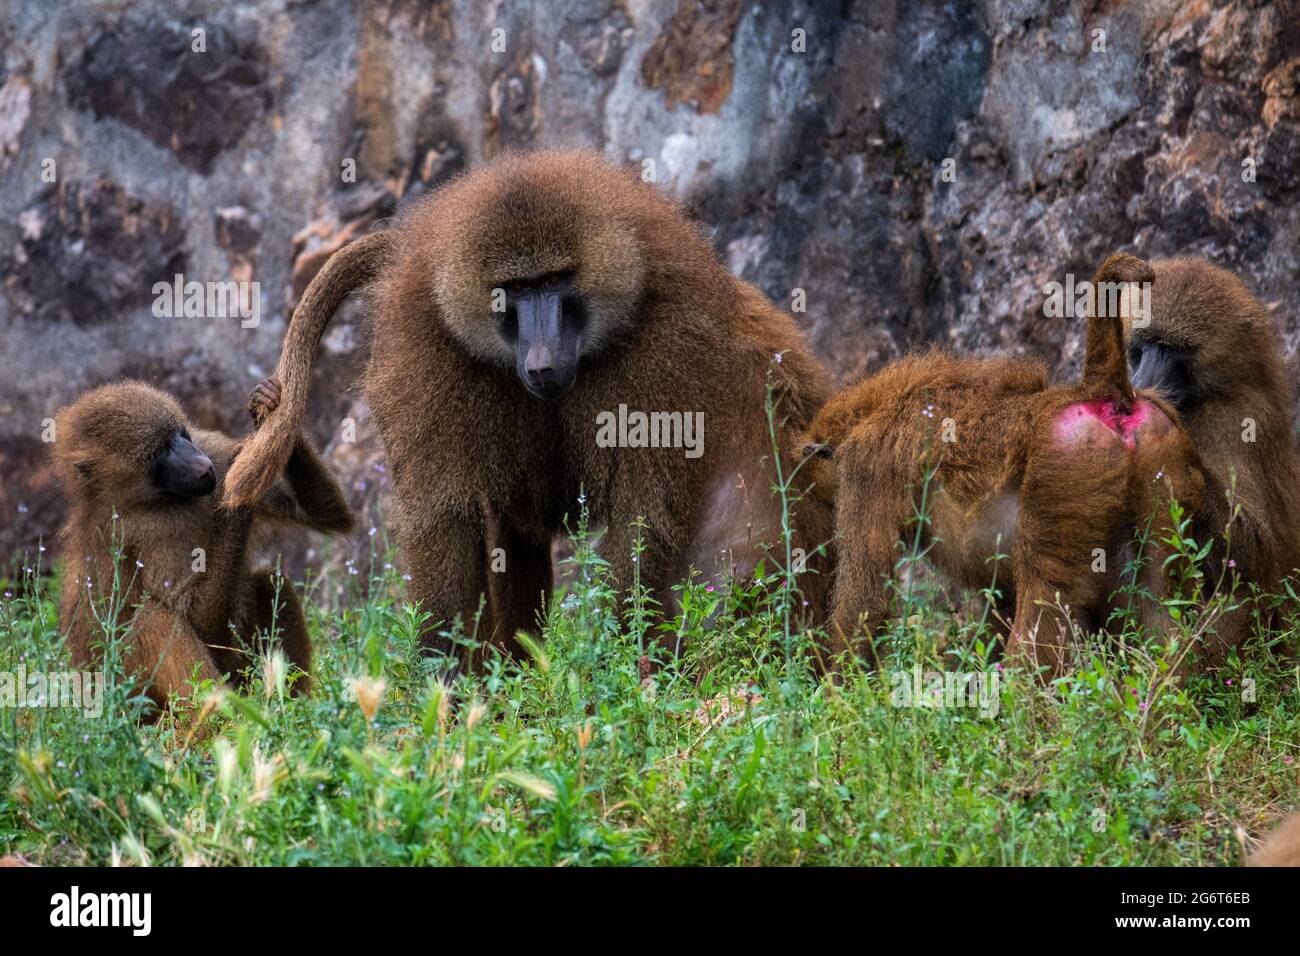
column 919, row 169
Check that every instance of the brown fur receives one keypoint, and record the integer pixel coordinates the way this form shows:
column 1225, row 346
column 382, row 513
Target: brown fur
column 1282, row 847
column 479, row 463
column 1239, row 370
column 183, row 624
column 1012, row 482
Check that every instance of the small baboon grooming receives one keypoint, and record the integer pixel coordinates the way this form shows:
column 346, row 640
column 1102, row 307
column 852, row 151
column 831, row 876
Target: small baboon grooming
column 1282, row 846
column 515, row 310
column 1211, row 350
column 140, row 483
column 1050, row 476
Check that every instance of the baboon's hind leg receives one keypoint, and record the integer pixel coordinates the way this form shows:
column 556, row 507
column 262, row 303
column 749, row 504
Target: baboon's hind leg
column 872, row 508
column 167, row 653
column 272, row 616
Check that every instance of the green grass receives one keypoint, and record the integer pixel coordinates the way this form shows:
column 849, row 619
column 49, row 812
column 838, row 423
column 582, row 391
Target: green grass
column 734, row 753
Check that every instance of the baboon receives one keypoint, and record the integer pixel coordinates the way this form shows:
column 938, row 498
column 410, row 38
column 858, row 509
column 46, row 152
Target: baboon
column 1282, row 847
column 516, row 311
column 1050, row 477
column 1211, row 351
column 144, row 519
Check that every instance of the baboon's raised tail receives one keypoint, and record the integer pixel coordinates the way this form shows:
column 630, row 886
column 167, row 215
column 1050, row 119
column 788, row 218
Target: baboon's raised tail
column 1105, row 366
column 264, row 454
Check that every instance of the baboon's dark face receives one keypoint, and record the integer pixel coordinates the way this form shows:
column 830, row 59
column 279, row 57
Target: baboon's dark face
column 1165, row 369
column 818, row 459
column 129, row 444
column 535, row 267
column 181, row 469
column 544, row 323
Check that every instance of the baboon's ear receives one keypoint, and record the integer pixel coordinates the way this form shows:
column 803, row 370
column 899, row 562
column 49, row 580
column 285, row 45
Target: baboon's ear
column 84, row 471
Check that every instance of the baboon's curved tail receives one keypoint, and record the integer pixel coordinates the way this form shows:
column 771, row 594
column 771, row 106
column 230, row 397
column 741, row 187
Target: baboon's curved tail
column 265, row 454
column 1105, row 367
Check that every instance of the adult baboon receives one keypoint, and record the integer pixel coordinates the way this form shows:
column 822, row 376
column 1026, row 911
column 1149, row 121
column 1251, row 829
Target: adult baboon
column 1052, row 477
column 1211, row 350
column 517, row 312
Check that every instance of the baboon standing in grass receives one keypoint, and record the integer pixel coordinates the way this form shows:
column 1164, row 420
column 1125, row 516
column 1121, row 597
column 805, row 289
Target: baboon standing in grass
column 1050, row 476
column 1211, row 350
column 515, row 310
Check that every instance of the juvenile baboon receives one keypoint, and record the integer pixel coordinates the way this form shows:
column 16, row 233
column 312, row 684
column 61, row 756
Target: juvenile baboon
column 1211, row 350
column 1050, row 477
column 517, row 312
column 143, row 519
column 1282, row 847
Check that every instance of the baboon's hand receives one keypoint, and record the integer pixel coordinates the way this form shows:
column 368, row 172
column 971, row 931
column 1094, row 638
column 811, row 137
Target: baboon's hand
column 264, row 399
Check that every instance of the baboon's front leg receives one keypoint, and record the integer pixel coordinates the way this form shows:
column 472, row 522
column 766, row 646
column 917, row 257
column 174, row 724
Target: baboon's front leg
column 519, row 583
column 446, row 555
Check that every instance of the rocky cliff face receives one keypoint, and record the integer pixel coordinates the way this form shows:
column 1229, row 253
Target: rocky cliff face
column 918, row 169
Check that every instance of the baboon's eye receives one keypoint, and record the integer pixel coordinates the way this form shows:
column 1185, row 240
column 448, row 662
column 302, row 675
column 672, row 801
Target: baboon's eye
column 510, row 323
column 575, row 311
column 185, row 433
column 818, row 450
